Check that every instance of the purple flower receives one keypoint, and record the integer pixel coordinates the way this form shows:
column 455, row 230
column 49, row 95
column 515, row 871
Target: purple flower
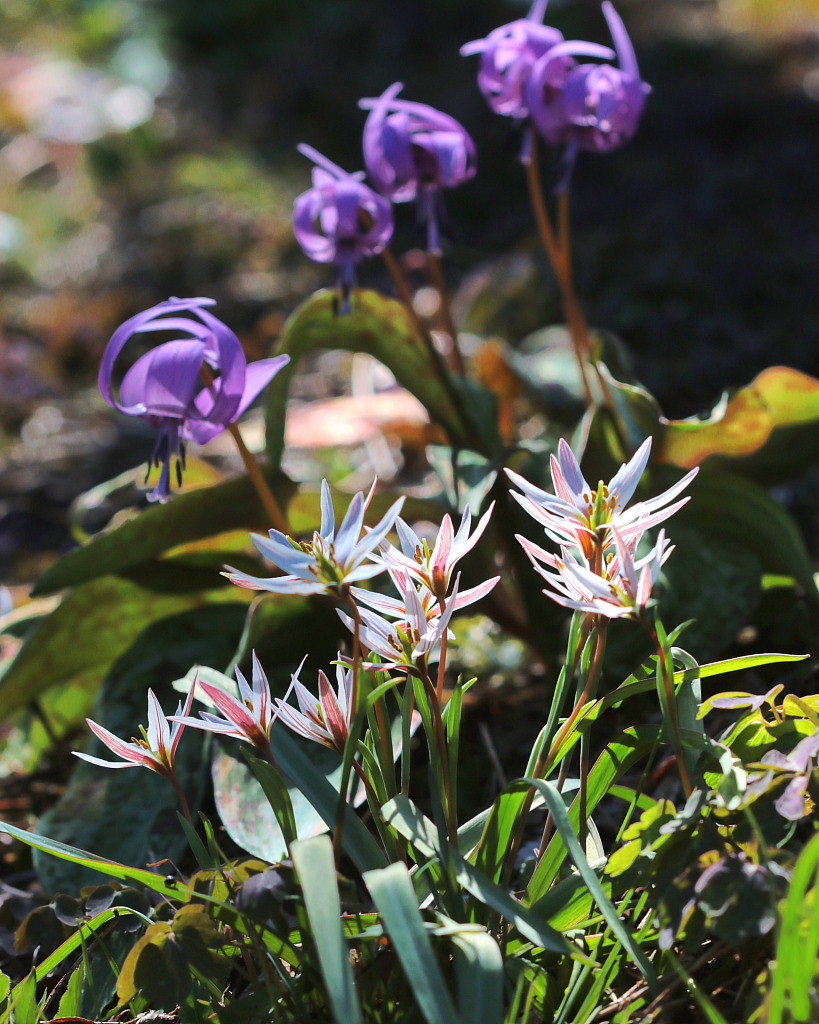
column 507, row 56
column 594, row 107
column 340, row 219
column 190, row 388
column 412, row 151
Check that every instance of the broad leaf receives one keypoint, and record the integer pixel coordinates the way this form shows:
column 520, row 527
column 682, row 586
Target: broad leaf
column 777, row 414
column 86, row 633
column 131, row 815
column 187, row 517
column 382, row 328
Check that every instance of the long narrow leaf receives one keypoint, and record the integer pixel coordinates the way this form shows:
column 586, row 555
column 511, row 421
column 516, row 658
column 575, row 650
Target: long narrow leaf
column 564, row 826
column 391, row 889
column 405, row 817
column 107, row 867
column 358, row 842
column 313, row 861
column 479, row 971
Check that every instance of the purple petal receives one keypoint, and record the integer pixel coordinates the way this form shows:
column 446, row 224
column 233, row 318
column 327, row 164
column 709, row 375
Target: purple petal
column 257, row 376
column 791, row 804
column 123, row 335
column 164, row 380
column 622, row 42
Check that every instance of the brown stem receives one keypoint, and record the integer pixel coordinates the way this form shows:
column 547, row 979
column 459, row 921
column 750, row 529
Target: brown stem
column 561, row 264
column 271, row 506
column 274, row 511
column 405, row 295
column 438, row 277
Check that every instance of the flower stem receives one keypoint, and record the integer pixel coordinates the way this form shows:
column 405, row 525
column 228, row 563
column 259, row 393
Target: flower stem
column 273, row 509
column 438, row 277
column 271, row 506
column 180, row 793
column 405, row 295
column 592, row 680
column 561, row 264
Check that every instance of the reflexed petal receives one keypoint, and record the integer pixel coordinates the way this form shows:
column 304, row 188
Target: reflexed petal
column 275, row 584
column 109, row 764
column 622, row 42
column 128, row 751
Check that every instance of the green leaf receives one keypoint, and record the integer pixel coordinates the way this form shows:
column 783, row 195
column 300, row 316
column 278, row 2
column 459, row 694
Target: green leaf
column 391, row 889
column 246, row 813
column 188, row 517
column 715, row 581
column 615, row 759
column 728, row 507
column 479, row 975
column 162, row 964
column 405, row 817
column 149, row 879
column 302, row 772
column 794, row 970
column 86, row 633
column 313, row 861
column 130, row 815
column 566, row 830
column 85, row 929
column 768, row 429
column 382, row 328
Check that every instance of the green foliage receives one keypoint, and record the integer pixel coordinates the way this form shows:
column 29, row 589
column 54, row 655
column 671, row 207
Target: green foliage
column 382, row 328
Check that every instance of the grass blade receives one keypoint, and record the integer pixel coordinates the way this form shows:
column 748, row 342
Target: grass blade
column 313, row 861
column 564, row 826
column 391, row 889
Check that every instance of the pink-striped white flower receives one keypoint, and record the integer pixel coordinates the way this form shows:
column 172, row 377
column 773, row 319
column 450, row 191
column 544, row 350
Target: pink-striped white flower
column 434, row 567
column 578, row 514
column 622, row 588
column 249, row 717
column 326, row 719
column 397, row 607
column 414, row 636
column 157, row 747
column 331, row 560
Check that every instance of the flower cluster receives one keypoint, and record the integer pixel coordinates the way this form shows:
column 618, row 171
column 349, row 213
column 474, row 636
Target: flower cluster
column 598, row 570
column 411, row 151
column 529, row 71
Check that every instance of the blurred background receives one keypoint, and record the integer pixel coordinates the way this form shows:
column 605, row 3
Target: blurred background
column 147, row 149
